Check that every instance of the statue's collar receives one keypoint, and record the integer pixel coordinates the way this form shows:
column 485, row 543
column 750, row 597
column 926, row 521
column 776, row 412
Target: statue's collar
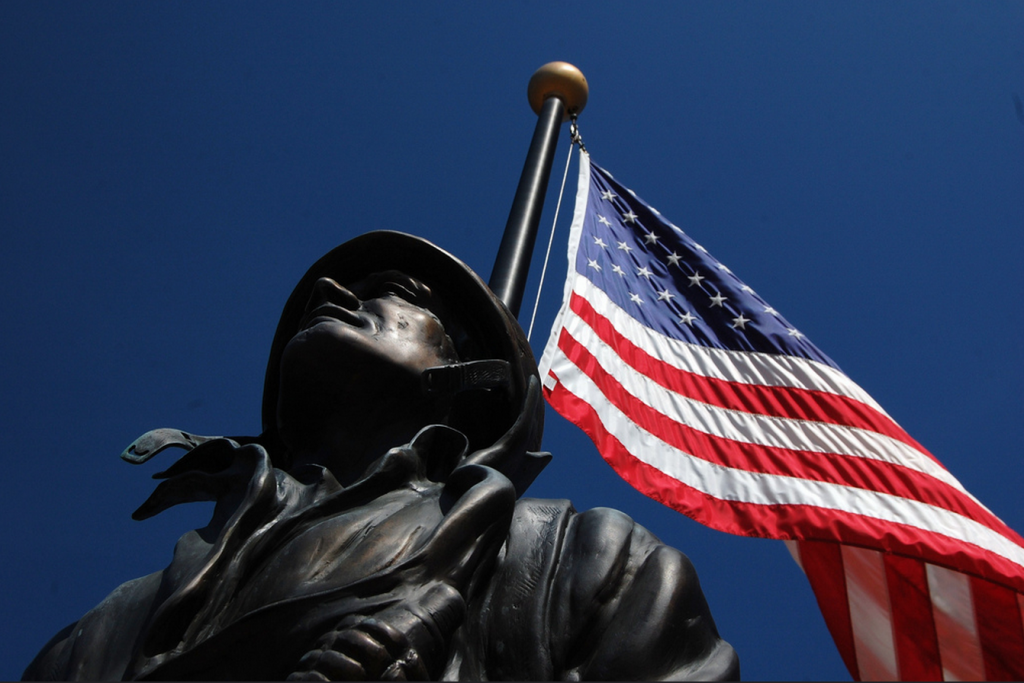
column 430, row 457
column 209, row 460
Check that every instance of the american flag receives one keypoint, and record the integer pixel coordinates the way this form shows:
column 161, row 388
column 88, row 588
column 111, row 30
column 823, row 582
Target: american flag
column 705, row 398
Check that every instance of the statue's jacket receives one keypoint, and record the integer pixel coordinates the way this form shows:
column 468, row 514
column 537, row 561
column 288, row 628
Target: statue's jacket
column 487, row 587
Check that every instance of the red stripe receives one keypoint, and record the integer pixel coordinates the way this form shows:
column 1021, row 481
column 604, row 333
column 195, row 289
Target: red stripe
column 802, row 522
column 917, row 646
column 846, row 470
column 802, row 404
column 823, row 564
column 999, row 630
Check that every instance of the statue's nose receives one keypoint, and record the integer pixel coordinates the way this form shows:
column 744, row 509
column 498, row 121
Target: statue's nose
column 327, row 290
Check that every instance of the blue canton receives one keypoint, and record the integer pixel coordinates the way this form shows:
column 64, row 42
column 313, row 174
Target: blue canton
column 655, row 272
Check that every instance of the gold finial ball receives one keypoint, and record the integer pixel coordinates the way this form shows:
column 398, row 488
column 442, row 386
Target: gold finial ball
column 561, row 79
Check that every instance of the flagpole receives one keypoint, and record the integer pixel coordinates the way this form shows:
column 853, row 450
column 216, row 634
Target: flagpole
column 556, row 91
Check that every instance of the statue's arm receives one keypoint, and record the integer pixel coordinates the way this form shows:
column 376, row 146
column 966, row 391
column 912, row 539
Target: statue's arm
column 629, row 607
column 100, row 645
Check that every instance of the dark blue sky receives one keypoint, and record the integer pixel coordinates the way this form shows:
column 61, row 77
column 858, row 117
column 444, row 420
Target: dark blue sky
column 169, row 171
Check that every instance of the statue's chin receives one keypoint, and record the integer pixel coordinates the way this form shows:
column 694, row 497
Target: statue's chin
column 324, row 421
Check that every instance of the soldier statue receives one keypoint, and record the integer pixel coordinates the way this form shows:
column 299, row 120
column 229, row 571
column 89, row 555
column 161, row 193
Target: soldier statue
column 376, row 529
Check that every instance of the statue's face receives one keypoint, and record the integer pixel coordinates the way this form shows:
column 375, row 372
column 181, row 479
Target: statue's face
column 359, row 354
column 381, row 321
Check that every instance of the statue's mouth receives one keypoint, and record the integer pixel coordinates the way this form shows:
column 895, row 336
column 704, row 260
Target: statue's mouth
column 331, row 312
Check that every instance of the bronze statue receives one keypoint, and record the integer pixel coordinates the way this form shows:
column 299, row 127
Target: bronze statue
column 376, row 530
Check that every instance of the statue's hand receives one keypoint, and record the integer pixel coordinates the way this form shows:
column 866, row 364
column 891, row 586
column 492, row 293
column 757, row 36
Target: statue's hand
column 405, row 642
column 360, row 649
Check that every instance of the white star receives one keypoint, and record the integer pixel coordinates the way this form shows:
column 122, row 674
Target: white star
column 625, row 247
column 617, row 269
column 769, row 309
column 608, row 194
column 740, row 322
column 718, row 300
column 651, row 238
column 695, row 279
column 665, row 295
column 673, row 259
column 644, row 272
column 721, row 266
column 594, row 264
column 604, row 221
column 600, row 242
column 700, row 247
column 635, row 298
column 794, row 333
column 687, row 319
column 748, row 289
column 630, row 217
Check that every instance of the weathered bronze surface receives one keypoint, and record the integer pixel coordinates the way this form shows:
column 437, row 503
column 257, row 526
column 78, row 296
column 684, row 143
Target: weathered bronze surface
column 376, row 530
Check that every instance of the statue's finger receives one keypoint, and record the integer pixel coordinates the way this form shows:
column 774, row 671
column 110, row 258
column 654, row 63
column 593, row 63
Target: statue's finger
column 363, row 648
column 307, row 676
column 394, row 640
column 309, row 660
column 339, row 667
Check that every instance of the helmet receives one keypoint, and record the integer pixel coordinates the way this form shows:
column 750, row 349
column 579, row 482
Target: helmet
column 479, row 324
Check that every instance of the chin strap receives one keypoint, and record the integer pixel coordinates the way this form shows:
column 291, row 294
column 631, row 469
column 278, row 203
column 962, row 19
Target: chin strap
column 509, row 454
column 156, row 440
column 477, row 374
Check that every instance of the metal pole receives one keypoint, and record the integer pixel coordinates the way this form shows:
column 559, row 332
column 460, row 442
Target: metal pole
column 556, row 90
column 512, row 265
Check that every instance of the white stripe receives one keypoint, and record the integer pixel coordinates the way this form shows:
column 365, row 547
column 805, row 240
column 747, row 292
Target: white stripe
column 957, row 632
column 747, row 367
column 867, row 591
column 757, row 488
column 548, row 381
column 794, row 550
column 738, row 425
column 575, row 232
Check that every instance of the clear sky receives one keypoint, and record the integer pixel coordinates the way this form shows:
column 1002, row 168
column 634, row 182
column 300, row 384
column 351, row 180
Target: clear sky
column 169, row 170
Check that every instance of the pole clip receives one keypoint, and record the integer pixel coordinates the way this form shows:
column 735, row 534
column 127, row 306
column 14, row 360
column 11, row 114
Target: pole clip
column 574, row 133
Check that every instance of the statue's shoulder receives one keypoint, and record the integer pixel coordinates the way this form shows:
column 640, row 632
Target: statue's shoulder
column 589, row 550
column 590, row 558
column 594, row 595
column 100, row 645
column 600, row 542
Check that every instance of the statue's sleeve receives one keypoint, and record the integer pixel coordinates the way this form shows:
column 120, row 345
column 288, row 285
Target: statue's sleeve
column 101, row 644
column 624, row 606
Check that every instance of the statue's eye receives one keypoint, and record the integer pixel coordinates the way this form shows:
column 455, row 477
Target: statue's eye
column 401, row 291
